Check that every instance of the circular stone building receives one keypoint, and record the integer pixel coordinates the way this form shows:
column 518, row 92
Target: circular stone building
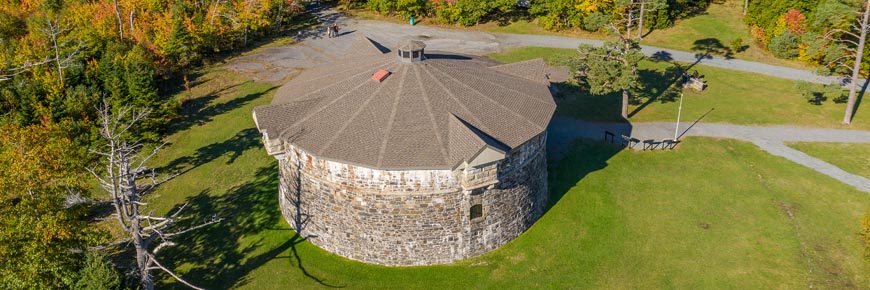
column 408, row 157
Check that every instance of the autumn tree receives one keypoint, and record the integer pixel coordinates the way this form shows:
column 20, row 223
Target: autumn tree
column 127, row 181
column 40, row 215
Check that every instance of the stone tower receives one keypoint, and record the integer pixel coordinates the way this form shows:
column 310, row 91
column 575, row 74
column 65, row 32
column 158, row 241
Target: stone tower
column 411, row 157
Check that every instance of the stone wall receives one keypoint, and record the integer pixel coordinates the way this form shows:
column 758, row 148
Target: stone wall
column 414, row 217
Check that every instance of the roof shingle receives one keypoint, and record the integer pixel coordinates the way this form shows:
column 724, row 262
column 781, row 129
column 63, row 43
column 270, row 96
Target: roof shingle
column 428, row 115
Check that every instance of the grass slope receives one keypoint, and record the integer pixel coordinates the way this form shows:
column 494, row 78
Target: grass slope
column 620, row 220
column 852, row 158
column 738, row 97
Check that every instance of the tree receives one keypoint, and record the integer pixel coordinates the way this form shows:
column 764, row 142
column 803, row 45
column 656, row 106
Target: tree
column 55, row 30
column 846, row 41
column 613, row 66
column 40, row 219
column 651, row 6
column 124, row 169
column 98, row 273
column 785, row 45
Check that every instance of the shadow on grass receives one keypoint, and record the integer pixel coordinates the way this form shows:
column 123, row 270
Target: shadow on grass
column 657, row 85
column 584, row 157
column 233, row 147
column 220, row 256
column 860, row 98
column 197, row 112
column 576, row 102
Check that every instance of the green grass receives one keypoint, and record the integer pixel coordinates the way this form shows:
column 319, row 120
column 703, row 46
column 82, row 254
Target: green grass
column 733, row 96
column 852, row 158
column 720, row 24
column 552, row 56
column 621, row 220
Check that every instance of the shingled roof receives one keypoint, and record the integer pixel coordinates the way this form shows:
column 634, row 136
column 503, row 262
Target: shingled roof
column 433, row 114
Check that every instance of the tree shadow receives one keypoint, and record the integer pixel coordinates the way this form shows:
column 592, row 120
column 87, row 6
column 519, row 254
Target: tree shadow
column 707, row 47
column 197, row 112
column 576, row 102
column 859, row 98
column 656, row 85
column 662, row 56
column 649, row 31
column 221, row 255
column 233, row 147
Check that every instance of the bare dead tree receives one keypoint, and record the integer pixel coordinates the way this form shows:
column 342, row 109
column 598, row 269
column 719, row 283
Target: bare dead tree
column 120, row 22
column 214, row 12
column 8, row 73
column 745, row 6
column 851, row 46
column 54, row 30
column 127, row 181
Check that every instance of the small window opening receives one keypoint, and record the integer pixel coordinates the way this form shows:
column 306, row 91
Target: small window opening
column 406, row 54
column 416, row 54
column 476, row 211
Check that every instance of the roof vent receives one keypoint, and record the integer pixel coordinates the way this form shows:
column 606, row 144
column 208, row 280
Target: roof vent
column 380, row 75
column 411, row 51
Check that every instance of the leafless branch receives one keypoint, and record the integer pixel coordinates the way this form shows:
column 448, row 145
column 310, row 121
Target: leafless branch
column 211, row 222
column 173, row 274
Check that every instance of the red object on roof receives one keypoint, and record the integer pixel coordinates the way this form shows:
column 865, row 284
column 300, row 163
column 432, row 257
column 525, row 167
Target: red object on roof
column 380, row 75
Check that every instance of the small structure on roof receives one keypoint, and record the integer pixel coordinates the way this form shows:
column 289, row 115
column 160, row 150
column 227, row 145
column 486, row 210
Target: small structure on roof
column 441, row 158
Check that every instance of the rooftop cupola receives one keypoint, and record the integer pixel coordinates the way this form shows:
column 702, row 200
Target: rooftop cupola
column 411, row 51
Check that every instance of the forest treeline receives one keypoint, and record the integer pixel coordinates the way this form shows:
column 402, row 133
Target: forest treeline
column 551, row 14
column 61, row 60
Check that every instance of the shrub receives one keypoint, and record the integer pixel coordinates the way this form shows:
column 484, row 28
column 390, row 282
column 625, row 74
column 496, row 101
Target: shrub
column 784, row 45
column 384, row 7
column 98, row 274
column 737, row 44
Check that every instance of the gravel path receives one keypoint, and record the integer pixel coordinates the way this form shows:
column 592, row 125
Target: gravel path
column 563, row 131
column 277, row 64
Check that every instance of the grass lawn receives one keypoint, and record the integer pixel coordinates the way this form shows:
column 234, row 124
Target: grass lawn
column 642, row 220
column 852, row 158
column 737, row 97
column 722, row 23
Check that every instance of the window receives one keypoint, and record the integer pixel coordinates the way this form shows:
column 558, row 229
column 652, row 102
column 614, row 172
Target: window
column 416, row 54
column 406, row 54
column 476, row 211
